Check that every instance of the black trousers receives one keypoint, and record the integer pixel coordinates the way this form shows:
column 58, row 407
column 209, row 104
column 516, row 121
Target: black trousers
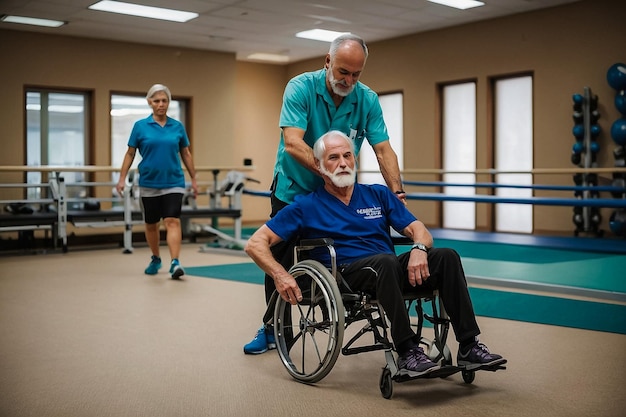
column 385, row 277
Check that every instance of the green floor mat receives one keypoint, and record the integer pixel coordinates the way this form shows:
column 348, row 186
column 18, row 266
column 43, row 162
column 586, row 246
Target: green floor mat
column 549, row 310
column 489, row 303
column 241, row 272
column 593, row 271
column 593, row 274
column 519, row 253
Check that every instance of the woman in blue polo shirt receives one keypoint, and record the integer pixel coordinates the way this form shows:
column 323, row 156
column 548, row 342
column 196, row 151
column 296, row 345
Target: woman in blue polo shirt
column 162, row 143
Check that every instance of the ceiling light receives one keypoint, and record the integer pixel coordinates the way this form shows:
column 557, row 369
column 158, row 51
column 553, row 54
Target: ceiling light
column 319, row 35
column 143, row 11
column 259, row 56
column 459, row 4
column 32, row 21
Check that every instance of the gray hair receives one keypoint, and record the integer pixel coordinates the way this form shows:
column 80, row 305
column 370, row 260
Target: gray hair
column 320, row 145
column 339, row 40
column 156, row 88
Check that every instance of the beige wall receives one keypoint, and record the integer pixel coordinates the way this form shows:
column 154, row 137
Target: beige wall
column 101, row 67
column 236, row 104
column 565, row 48
column 259, row 97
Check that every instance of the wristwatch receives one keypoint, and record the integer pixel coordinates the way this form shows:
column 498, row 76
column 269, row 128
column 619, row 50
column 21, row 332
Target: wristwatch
column 419, row 246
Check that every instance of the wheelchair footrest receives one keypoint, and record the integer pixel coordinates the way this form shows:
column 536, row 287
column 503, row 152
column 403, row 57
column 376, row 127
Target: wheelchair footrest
column 443, row 372
column 492, row 367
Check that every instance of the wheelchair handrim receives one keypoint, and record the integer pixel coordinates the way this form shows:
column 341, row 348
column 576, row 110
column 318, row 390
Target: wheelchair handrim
column 329, row 331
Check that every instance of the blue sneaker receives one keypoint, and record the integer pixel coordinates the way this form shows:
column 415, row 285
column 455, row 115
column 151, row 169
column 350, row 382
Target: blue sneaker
column 176, row 270
column 262, row 342
column 154, row 266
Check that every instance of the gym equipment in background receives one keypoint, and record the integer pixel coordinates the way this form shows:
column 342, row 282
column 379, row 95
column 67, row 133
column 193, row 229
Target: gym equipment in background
column 586, row 132
column 616, row 77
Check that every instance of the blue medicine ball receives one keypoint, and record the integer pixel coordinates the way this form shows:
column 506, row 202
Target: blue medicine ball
column 618, row 131
column 578, row 147
column 616, row 76
column 620, row 102
column 595, row 131
column 578, row 131
column 617, row 222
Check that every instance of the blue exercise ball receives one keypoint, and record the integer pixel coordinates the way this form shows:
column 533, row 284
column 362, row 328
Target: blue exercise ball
column 595, row 131
column 620, row 102
column 578, row 147
column 578, row 131
column 617, row 222
column 618, row 131
column 616, row 76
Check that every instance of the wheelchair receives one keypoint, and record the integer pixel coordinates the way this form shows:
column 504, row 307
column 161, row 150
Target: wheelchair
column 310, row 335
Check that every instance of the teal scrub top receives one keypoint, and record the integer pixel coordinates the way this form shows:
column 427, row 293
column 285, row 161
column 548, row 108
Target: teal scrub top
column 307, row 105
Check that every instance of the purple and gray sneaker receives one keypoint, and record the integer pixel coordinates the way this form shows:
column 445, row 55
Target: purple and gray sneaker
column 479, row 355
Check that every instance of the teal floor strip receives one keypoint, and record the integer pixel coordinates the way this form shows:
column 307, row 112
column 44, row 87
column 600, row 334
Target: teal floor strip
column 489, row 303
column 594, row 274
column 588, row 270
column 528, row 254
column 241, row 272
column 549, row 310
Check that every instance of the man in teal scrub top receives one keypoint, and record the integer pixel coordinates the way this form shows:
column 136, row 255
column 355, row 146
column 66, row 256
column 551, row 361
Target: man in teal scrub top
column 314, row 103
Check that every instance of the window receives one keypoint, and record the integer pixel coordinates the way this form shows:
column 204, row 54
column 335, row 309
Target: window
column 57, row 134
column 125, row 111
column 392, row 113
column 514, row 150
column 459, row 152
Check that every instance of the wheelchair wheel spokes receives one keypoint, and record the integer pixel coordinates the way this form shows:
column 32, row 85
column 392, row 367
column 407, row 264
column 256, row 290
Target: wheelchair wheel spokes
column 309, row 335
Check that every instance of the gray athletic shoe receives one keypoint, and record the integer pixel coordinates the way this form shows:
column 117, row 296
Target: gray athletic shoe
column 479, row 355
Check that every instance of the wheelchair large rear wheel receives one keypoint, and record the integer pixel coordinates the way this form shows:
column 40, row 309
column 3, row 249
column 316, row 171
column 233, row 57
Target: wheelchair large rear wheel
column 309, row 335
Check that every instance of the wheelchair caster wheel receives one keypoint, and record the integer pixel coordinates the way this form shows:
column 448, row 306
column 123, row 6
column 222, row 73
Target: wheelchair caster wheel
column 468, row 376
column 386, row 387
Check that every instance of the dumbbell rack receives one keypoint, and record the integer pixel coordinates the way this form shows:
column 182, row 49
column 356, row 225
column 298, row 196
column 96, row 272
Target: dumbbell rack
column 590, row 216
column 617, row 220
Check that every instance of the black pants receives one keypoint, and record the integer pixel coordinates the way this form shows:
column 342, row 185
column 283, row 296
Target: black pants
column 385, row 277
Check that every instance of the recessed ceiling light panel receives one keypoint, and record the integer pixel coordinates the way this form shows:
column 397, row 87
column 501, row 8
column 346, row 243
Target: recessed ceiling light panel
column 143, row 11
column 459, row 4
column 260, row 56
column 32, row 21
column 319, row 35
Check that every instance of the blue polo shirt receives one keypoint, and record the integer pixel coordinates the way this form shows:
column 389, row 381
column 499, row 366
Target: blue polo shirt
column 159, row 147
column 359, row 229
column 307, row 105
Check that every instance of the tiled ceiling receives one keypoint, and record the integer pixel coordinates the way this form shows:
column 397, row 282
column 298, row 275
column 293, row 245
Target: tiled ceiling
column 244, row 27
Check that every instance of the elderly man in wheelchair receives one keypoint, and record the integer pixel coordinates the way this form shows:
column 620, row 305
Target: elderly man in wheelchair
column 356, row 271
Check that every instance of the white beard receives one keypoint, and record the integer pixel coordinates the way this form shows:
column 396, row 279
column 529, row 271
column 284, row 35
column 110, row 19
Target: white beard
column 340, row 181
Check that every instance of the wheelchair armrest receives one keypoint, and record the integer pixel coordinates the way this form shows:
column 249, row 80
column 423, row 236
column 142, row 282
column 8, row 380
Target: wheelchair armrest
column 401, row 240
column 307, row 244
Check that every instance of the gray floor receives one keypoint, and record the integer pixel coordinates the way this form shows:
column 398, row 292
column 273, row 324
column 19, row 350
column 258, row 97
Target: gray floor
column 87, row 334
